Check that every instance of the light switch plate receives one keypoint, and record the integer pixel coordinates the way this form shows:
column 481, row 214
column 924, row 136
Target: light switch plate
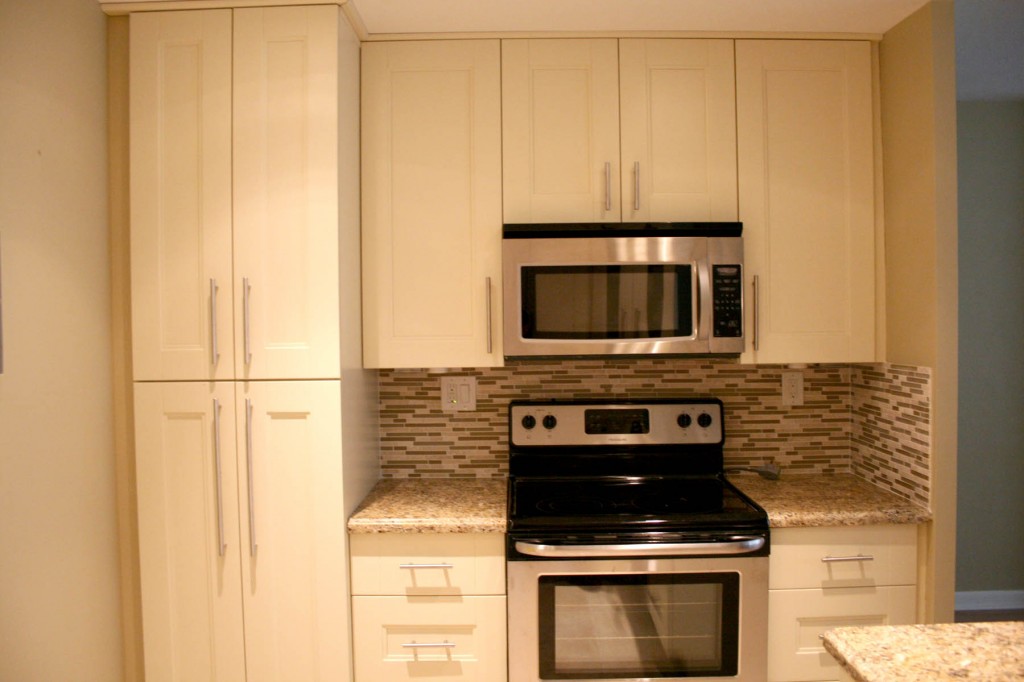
column 458, row 394
column 792, row 388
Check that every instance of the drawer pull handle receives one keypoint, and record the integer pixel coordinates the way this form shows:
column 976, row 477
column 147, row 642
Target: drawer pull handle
column 426, row 566
column 859, row 557
column 429, row 645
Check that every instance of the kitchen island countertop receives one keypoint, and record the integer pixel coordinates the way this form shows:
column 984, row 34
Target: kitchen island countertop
column 796, row 500
column 992, row 652
column 460, row 505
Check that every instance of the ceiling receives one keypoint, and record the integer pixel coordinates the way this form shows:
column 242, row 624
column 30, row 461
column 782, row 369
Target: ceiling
column 482, row 16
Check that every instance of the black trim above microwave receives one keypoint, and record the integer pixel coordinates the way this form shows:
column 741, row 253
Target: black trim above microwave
column 581, row 230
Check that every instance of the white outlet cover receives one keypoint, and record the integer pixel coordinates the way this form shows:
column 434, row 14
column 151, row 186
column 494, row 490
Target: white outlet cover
column 458, row 394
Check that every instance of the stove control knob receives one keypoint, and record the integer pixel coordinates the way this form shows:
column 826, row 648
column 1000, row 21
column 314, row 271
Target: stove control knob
column 529, row 421
column 684, row 421
column 704, row 420
column 549, row 421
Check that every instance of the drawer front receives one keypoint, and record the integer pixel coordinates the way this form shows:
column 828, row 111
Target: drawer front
column 861, row 556
column 427, row 564
column 443, row 639
column 797, row 618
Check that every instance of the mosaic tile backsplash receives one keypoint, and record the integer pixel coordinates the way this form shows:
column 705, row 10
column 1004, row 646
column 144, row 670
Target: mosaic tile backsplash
column 871, row 420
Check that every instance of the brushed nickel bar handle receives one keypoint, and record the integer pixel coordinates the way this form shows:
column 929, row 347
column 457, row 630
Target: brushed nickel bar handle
column 249, row 455
column 246, row 318
column 412, row 566
column 214, row 349
column 859, row 557
column 607, row 186
column 490, row 335
column 755, row 313
column 223, row 545
column 737, row 545
column 636, row 185
column 429, row 645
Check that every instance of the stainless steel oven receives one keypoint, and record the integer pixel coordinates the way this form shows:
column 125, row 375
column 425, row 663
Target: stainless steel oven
column 630, row 556
column 622, row 289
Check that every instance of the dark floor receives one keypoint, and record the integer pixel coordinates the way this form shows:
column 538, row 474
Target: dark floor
column 988, row 616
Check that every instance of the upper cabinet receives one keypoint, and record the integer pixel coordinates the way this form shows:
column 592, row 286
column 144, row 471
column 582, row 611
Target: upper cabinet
column 806, row 199
column 568, row 157
column 234, row 212
column 431, row 172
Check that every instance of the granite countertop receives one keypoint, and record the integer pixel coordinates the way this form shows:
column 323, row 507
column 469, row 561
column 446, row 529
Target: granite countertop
column 928, row 653
column 427, row 505
column 441, row 505
column 827, row 500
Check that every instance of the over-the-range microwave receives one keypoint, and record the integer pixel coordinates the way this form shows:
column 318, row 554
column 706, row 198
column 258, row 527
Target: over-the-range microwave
column 578, row 289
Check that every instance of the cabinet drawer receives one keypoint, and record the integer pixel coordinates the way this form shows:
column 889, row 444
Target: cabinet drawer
column 428, row 564
column 875, row 555
column 440, row 638
column 796, row 619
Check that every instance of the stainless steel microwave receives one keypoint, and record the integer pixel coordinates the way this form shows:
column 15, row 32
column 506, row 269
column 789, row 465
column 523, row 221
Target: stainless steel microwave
column 622, row 289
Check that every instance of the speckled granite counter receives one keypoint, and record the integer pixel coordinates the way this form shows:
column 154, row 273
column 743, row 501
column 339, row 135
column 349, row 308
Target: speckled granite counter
column 926, row 653
column 421, row 505
column 827, row 500
column 428, row 505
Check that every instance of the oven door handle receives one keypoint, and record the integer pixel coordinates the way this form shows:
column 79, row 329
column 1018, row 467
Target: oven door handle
column 739, row 544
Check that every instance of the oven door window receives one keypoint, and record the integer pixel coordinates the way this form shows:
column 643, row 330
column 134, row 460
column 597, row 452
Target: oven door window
column 608, row 301
column 638, row 626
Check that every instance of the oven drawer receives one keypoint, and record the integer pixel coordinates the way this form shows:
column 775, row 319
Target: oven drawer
column 856, row 556
column 797, row 618
column 437, row 638
column 428, row 564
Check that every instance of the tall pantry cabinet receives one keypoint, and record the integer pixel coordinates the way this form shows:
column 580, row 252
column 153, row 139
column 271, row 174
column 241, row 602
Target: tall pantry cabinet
column 240, row 136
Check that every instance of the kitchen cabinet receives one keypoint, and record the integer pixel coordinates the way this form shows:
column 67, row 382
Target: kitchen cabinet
column 241, row 530
column 806, row 199
column 429, row 605
column 606, row 130
column 234, row 186
column 821, row 578
column 431, row 172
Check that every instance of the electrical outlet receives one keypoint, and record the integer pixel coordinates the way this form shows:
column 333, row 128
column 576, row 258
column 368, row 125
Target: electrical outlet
column 792, row 388
column 458, row 394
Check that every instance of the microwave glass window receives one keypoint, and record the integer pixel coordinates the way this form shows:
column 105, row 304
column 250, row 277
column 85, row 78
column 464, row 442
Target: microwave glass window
column 608, row 301
column 653, row 626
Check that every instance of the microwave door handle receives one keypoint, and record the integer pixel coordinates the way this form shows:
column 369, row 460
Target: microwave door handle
column 702, row 302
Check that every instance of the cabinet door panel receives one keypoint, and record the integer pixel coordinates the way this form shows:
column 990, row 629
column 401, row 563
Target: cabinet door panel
column 390, row 627
column 431, row 204
column 191, row 588
column 180, row 155
column 798, row 617
column 294, row 568
column 560, row 128
column 806, row 178
column 678, row 142
column 285, row 192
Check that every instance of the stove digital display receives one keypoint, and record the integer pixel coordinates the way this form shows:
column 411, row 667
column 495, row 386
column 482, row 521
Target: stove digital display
column 618, row 421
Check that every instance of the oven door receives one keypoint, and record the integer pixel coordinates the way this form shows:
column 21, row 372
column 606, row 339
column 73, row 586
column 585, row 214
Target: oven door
column 638, row 619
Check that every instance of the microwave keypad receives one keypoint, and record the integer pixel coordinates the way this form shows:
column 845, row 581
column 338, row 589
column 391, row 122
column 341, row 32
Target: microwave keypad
column 727, row 292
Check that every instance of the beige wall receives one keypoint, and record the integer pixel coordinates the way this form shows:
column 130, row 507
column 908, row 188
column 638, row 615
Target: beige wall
column 917, row 69
column 59, row 615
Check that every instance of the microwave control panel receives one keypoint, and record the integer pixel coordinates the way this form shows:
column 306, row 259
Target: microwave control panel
column 727, row 293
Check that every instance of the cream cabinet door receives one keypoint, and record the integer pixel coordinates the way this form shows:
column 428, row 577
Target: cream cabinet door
column 806, row 183
column 431, row 165
column 678, row 142
column 189, row 548
column 560, row 130
column 286, row 192
column 294, row 566
column 180, row 195
column 443, row 639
